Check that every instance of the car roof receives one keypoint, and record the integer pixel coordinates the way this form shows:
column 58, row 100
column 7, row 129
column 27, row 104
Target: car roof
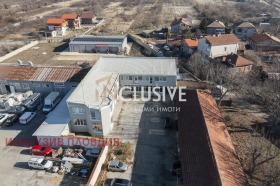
column 36, row 147
column 34, row 159
column 120, row 180
column 114, row 162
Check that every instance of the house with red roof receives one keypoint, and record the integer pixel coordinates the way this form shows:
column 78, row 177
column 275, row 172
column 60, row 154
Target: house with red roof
column 87, row 18
column 189, row 46
column 218, row 46
column 178, row 26
column 265, row 42
column 57, row 26
column 74, row 20
column 238, row 63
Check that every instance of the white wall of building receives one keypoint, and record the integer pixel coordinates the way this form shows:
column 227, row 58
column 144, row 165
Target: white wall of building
column 217, row 50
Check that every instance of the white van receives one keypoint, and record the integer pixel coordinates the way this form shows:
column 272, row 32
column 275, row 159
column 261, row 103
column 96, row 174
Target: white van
column 40, row 163
column 76, row 161
column 26, row 117
column 51, row 101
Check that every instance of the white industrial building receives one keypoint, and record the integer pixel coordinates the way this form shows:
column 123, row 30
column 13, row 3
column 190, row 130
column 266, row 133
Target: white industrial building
column 98, row 44
column 92, row 103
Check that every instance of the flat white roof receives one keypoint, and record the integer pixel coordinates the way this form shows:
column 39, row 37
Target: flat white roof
column 90, row 39
column 57, row 121
column 103, row 75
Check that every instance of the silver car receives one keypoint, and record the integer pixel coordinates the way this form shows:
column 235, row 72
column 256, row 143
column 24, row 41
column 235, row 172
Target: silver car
column 117, row 166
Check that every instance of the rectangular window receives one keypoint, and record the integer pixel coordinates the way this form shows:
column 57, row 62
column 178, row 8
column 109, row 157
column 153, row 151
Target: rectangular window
column 156, row 78
column 138, row 88
column 140, row 78
column 17, row 86
column 59, row 84
column 163, row 78
column 95, row 115
column 46, row 85
column 36, row 85
column 78, row 110
column 25, row 86
column 80, row 122
column 130, row 77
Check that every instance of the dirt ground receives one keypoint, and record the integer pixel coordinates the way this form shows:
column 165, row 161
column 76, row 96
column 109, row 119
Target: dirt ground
column 241, row 120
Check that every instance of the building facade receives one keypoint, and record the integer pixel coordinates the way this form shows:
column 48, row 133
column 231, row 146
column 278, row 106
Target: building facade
column 91, row 105
column 216, row 28
column 217, row 46
column 98, row 44
column 245, row 30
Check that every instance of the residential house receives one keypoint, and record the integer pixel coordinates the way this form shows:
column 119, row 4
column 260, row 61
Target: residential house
column 87, row 18
column 39, row 79
column 216, row 28
column 189, row 46
column 178, row 26
column 265, row 42
column 244, row 30
column 92, row 103
column 206, row 151
column 74, row 20
column 218, row 46
column 59, row 25
column 98, row 44
column 238, row 63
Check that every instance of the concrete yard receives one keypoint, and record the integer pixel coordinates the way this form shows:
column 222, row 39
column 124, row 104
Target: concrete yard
column 154, row 146
column 14, row 157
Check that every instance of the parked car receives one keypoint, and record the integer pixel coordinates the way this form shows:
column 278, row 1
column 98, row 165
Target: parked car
column 117, row 166
column 51, row 101
column 12, row 118
column 26, row 117
column 3, row 118
column 117, row 182
column 40, row 150
column 40, row 163
column 94, row 153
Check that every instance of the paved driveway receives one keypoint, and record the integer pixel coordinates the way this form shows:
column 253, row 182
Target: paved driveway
column 142, row 123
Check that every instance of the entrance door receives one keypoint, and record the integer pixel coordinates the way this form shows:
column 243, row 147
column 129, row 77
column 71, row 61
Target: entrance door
column 8, row 89
column 151, row 80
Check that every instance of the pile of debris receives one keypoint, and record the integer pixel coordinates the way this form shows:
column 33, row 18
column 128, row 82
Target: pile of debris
column 74, row 153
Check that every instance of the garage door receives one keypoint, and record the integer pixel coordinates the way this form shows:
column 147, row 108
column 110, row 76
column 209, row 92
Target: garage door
column 114, row 49
column 103, row 49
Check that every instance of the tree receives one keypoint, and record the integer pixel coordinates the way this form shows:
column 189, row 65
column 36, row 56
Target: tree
column 203, row 25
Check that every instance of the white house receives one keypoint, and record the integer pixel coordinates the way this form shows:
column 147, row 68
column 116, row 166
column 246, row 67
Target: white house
column 245, row 30
column 218, row 46
column 102, row 44
column 92, row 103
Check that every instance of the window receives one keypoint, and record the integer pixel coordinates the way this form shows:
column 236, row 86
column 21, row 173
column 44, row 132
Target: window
column 36, row 85
column 156, row 78
column 80, row 122
column 130, row 77
column 78, row 110
column 95, row 115
column 58, row 84
column 140, row 78
column 17, row 86
column 225, row 48
column 239, row 30
column 138, row 89
column 25, row 86
column 46, row 85
column 147, row 78
column 162, row 78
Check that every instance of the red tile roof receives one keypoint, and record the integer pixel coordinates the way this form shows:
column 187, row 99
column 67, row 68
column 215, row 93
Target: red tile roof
column 192, row 43
column 264, row 37
column 224, row 39
column 217, row 24
column 207, row 154
column 69, row 16
column 181, row 20
column 87, row 16
column 42, row 73
column 55, row 21
column 238, row 61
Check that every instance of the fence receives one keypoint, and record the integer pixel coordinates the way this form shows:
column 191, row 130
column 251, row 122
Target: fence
column 97, row 167
column 15, row 52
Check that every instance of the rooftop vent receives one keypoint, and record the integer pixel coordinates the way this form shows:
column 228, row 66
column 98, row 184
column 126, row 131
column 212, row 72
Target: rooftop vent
column 29, row 63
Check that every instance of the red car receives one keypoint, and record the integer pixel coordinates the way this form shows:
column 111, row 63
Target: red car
column 40, row 150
